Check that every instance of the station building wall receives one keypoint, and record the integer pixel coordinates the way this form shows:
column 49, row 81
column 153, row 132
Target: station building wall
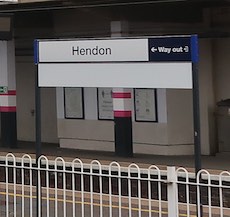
column 25, row 82
column 171, row 135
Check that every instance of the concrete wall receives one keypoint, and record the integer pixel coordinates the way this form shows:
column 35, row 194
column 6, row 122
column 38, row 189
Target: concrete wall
column 25, row 81
column 169, row 136
column 207, row 97
column 221, row 56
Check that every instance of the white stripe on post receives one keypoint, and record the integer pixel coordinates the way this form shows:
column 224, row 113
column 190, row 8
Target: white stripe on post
column 8, row 101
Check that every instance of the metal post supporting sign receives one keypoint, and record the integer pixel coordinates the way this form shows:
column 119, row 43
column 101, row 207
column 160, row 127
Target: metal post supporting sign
column 37, row 126
column 196, row 115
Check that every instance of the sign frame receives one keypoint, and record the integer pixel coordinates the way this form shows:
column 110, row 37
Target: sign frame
column 108, row 57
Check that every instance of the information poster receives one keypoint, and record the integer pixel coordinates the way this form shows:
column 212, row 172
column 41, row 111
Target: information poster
column 73, row 102
column 105, row 104
column 145, row 105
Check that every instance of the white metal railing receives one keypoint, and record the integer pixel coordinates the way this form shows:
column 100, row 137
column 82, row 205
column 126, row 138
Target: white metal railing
column 61, row 188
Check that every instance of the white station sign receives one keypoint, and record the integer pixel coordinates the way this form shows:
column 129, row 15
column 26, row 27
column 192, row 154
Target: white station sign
column 93, row 50
column 162, row 62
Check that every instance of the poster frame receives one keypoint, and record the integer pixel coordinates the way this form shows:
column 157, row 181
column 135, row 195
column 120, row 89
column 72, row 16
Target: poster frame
column 98, row 105
column 154, row 92
column 80, row 116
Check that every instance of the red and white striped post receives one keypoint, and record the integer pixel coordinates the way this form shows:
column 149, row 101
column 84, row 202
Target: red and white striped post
column 8, row 94
column 122, row 106
column 122, row 101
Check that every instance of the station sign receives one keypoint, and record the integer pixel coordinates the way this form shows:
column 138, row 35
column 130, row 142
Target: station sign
column 155, row 62
column 114, row 50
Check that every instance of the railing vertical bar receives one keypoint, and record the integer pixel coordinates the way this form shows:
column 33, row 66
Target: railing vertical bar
column 110, row 191
column 221, row 191
column 101, row 192
column 62, row 173
column 31, row 186
column 139, row 192
column 159, row 193
column 186, row 183
column 209, row 198
column 82, row 190
column 7, row 191
column 64, row 189
column 187, row 194
column 91, row 190
column 221, row 196
column 129, row 191
column 198, row 194
column 149, row 193
column 73, row 190
column 7, row 186
column 56, row 188
column 15, row 190
column 23, row 187
column 119, row 190
column 39, row 187
column 47, row 189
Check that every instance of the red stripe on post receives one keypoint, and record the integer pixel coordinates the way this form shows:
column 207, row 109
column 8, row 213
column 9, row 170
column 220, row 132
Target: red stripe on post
column 12, row 92
column 7, row 108
column 122, row 114
column 9, row 93
column 122, row 95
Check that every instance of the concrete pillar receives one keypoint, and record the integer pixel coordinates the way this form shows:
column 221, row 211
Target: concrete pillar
column 122, row 106
column 8, row 94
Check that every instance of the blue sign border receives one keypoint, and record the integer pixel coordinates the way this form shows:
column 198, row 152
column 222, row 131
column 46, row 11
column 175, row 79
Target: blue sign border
column 194, row 49
column 36, row 52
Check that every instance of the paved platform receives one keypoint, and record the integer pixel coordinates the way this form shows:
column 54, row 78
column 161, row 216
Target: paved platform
column 220, row 161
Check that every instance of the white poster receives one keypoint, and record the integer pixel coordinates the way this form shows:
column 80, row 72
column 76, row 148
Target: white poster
column 73, row 102
column 145, row 105
column 105, row 103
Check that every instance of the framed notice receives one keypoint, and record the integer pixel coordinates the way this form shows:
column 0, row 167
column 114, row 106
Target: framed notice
column 145, row 105
column 105, row 103
column 73, row 101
